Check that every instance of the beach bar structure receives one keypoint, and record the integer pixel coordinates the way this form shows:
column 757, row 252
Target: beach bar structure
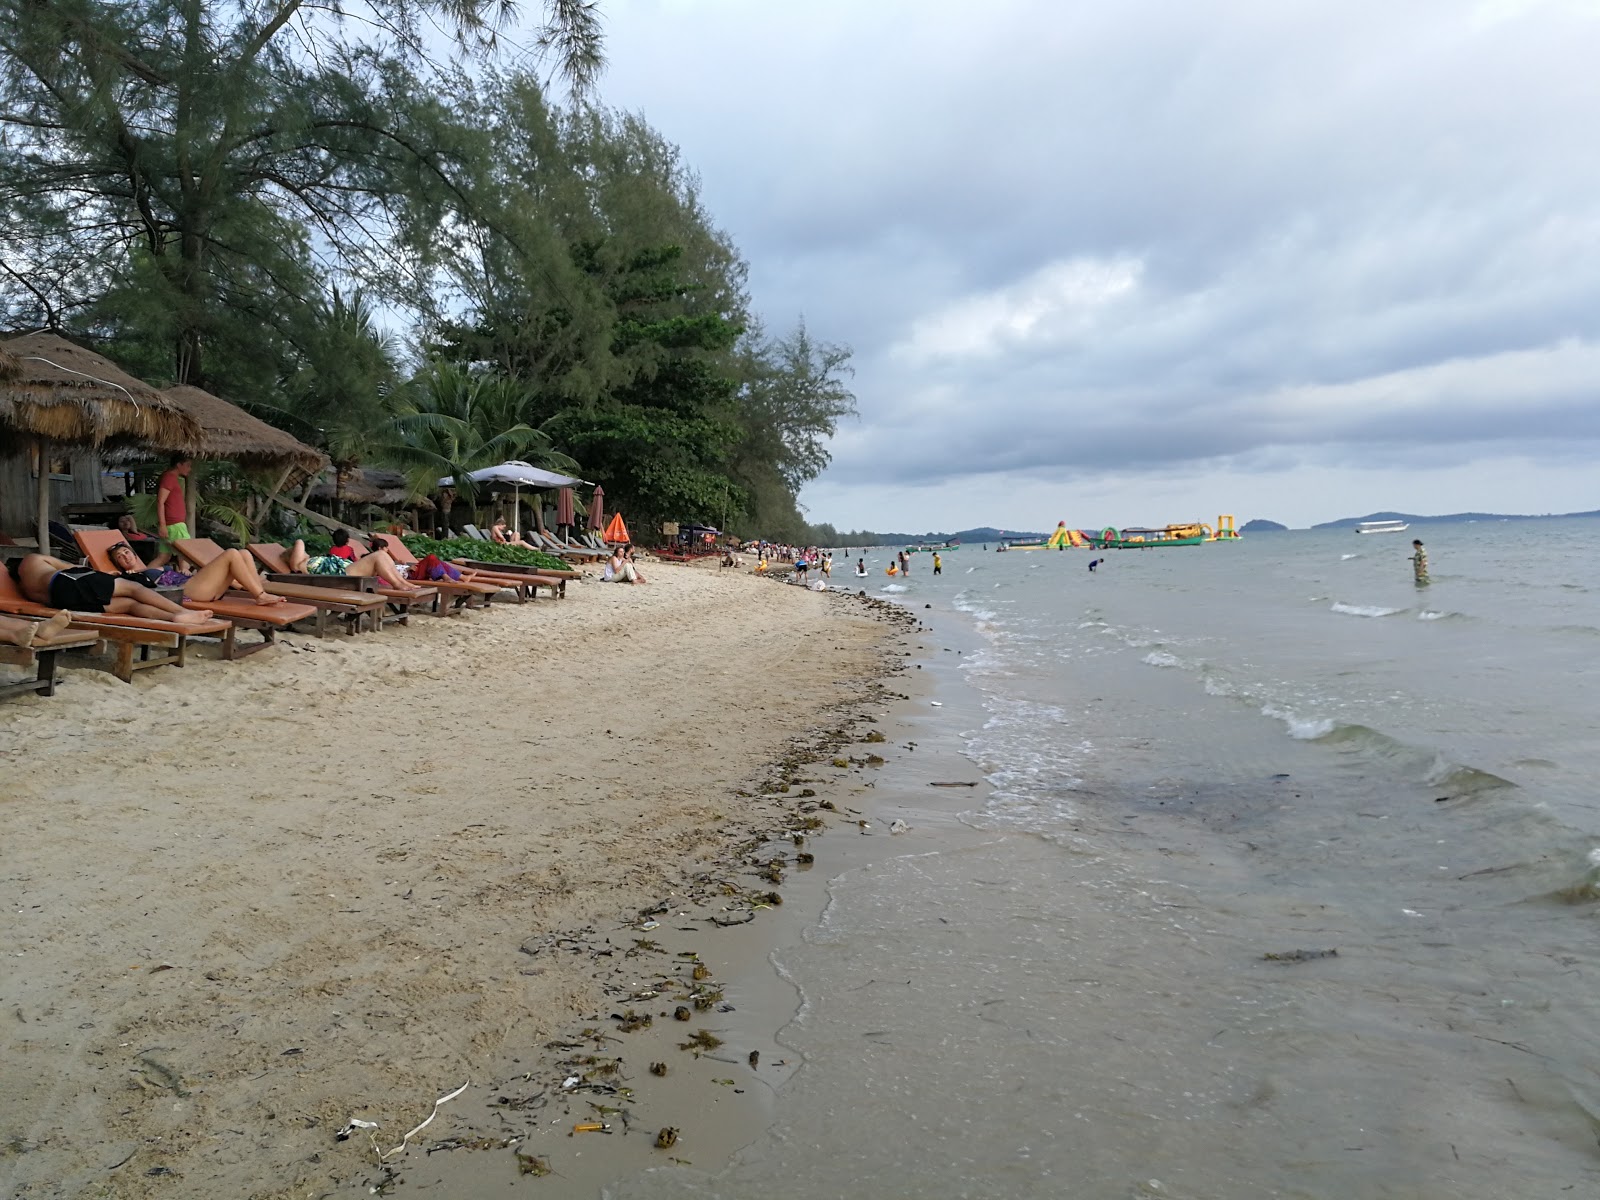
column 60, row 406
column 65, row 411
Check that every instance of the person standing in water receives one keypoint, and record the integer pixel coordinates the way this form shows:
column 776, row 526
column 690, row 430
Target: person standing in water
column 861, row 568
column 938, row 567
column 1419, row 562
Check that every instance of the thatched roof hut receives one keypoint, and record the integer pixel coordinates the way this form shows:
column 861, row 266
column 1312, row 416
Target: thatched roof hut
column 370, row 485
column 59, row 392
column 227, row 431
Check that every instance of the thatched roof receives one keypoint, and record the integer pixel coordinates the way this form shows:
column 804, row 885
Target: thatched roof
column 50, row 388
column 230, row 432
column 370, row 485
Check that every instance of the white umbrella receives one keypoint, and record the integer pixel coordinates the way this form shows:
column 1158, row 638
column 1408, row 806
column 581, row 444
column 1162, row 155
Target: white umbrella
column 519, row 475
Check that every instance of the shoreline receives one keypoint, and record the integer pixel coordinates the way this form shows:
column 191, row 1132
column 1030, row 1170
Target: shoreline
column 248, row 920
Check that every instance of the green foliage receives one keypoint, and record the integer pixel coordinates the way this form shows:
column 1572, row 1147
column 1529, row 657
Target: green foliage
column 195, row 156
column 453, row 548
column 230, row 195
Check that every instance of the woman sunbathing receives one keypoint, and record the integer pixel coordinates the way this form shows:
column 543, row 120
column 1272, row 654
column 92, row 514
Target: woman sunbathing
column 230, row 569
column 52, row 581
column 377, row 563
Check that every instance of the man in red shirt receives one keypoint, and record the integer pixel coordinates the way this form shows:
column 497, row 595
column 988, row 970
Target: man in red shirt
column 172, row 506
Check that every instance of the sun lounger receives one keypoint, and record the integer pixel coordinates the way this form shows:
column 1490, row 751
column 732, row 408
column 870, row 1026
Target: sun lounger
column 239, row 608
column 397, row 603
column 520, row 586
column 130, row 634
column 551, row 545
column 42, row 656
column 466, row 594
column 523, row 581
column 354, row 608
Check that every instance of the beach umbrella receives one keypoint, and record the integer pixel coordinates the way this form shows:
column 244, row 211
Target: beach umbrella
column 519, row 475
column 616, row 531
column 564, row 507
column 597, row 509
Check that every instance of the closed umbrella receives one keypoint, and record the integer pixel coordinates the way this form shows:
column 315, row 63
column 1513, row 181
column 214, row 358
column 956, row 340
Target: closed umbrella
column 564, row 508
column 597, row 509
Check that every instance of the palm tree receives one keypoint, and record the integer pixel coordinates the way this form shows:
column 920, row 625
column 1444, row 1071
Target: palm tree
column 453, row 420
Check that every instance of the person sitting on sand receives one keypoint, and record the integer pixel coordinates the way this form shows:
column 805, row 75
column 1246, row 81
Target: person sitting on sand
column 16, row 632
column 620, row 570
column 376, row 564
column 46, row 580
column 230, row 569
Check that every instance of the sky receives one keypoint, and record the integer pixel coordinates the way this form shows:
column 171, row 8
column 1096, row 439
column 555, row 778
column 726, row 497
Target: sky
column 1158, row 260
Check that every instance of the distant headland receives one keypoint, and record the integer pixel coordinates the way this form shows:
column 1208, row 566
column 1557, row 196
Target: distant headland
column 1450, row 518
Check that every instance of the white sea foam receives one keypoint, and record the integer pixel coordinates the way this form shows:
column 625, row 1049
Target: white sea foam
column 1430, row 615
column 1348, row 557
column 1160, row 658
column 893, row 587
column 1304, row 729
column 1365, row 610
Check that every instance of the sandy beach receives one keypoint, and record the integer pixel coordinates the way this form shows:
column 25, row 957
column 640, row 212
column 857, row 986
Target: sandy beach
column 249, row 901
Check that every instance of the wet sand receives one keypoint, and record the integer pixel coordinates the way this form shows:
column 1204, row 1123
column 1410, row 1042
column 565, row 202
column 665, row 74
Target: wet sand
column 341, row 878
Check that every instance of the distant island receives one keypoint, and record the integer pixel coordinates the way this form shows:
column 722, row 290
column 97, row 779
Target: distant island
column 1261, row 526
column 1448, row 518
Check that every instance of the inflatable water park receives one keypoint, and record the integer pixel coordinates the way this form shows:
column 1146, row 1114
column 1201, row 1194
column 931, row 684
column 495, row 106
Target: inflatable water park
column 1194, row 533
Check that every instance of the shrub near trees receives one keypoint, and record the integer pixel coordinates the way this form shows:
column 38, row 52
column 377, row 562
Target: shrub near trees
column 244, row 197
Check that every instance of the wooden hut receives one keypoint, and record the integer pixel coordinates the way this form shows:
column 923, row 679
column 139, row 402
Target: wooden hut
column 59, row 405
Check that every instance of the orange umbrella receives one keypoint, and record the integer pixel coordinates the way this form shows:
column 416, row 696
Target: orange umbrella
column 616, row 531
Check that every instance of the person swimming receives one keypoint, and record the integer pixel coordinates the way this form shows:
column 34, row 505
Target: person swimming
column 861, row 568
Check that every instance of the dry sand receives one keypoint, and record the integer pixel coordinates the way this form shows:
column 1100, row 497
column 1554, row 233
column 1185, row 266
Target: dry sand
column 248, row 901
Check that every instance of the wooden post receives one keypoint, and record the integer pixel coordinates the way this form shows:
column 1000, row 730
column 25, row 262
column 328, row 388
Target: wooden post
column 43, row 529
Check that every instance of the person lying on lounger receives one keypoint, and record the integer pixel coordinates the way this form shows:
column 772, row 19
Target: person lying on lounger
column 16, row 632
column 46, row 580
column 377, row 563
column 499, row 534
column 230, row 569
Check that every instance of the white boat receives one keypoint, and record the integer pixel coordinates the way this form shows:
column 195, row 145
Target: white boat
column 1382, row 527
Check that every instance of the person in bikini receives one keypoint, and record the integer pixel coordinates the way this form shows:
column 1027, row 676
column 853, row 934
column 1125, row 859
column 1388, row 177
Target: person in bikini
column 16, row 632
column 230, row 569
column 46, row 580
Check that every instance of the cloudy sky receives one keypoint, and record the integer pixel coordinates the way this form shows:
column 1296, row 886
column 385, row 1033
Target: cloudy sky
column 1155, row 260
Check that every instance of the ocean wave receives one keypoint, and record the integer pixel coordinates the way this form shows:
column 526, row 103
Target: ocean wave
column 1348, row 557
column 893, row 587
column 1580, row 630
column 1365, row 610
column 1302, row 729
column 1430, row 615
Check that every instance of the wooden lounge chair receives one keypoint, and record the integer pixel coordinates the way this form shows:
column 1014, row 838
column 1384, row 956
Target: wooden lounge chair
column 42, row 655
column 130, row 634
column 395, row 605
column 236, row 607
column 353, row 608
column 523, row 583
column 554, row 545
column 468, row 595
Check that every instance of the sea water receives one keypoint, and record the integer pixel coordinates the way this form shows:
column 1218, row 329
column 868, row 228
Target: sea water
column 1083, row 980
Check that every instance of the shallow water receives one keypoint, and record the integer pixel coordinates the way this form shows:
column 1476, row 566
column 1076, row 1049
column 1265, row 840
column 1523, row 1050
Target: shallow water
column 1198, row 757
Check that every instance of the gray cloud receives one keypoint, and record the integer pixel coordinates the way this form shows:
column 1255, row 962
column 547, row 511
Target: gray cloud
column 1218, row 238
